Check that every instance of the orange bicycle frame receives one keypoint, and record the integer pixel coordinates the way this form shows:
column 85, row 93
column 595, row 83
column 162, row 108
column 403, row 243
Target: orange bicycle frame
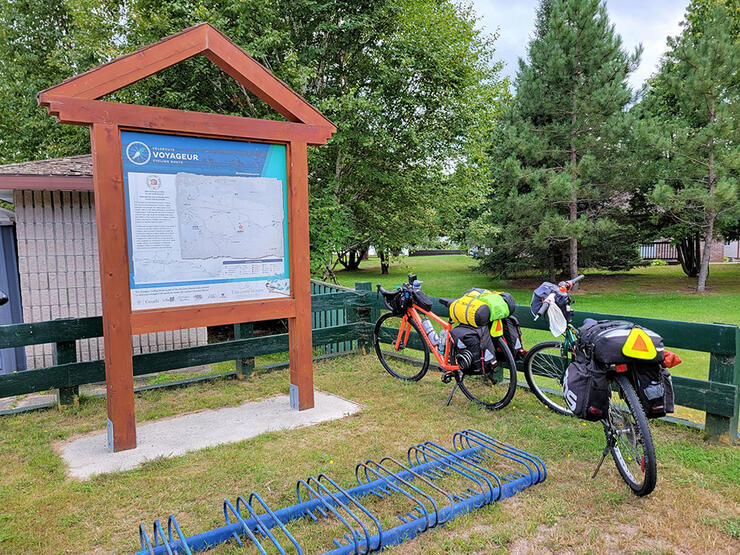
column 405, row 330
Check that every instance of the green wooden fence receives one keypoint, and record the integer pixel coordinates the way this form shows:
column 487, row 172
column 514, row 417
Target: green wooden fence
column 342, row 321
column 718, row 397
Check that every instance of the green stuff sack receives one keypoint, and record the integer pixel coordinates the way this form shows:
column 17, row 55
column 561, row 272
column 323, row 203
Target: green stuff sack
column 471, row 311
column 501, row 305
column 476, row 292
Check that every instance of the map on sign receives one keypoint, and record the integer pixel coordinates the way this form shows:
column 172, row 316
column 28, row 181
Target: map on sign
column 237, row 217
column 206, row 220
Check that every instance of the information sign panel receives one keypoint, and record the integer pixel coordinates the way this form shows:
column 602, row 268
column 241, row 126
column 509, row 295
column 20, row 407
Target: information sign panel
column 206, row 218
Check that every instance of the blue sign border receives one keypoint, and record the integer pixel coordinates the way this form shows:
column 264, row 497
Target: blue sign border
column 170, row 154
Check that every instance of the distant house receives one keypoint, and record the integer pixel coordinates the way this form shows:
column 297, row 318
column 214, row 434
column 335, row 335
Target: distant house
column 57, row 272
column 662, row 249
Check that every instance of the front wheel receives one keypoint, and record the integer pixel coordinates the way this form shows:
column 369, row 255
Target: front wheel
column 493, row 387
column 400, row 347
column 544, row 369
column 628, row 433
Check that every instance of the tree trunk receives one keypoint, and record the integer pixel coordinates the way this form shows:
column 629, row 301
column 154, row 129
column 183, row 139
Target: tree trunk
column 689, row 254
column 701, row 283
column 573, row 215
column 711, row 214
column 351, row 259
column 384, row 262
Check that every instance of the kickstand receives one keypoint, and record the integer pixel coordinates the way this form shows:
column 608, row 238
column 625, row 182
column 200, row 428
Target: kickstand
column 449, row 399
column 598, row 466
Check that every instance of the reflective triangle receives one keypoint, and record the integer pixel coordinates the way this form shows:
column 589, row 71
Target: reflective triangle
column 639, row 345
column 497, row 329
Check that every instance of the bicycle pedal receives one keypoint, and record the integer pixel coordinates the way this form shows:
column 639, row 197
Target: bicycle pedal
column 447, row 377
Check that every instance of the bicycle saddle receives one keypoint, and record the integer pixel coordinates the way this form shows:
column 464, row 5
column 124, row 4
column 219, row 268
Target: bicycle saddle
column 446, row 302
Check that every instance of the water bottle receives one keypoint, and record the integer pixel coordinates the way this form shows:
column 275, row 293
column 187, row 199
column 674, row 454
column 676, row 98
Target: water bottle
column 431, row 332
column 442, row 342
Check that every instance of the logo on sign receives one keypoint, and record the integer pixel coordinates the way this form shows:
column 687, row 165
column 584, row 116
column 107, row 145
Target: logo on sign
column 138, row 153
column 154, row 182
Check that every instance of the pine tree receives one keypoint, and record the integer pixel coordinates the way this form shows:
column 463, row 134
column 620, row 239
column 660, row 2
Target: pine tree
column 695, row 124
column 557, row 180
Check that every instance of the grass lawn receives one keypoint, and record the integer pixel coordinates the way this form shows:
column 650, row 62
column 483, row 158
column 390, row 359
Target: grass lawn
column 654, row 291
column 695, row 508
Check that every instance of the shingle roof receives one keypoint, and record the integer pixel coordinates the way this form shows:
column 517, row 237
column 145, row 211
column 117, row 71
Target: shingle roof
column 71, row 165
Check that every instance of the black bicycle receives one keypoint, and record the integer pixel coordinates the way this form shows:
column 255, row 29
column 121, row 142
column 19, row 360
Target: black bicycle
column 626, row 428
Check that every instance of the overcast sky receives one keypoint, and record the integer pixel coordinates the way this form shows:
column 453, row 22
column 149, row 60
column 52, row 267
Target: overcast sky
column 638, row 21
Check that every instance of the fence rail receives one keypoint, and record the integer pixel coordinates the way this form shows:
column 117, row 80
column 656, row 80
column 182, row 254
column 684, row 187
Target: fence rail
column 718, row 397
column 342, row 322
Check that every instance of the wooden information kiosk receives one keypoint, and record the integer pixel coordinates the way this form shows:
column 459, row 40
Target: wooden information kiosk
column 202, row 219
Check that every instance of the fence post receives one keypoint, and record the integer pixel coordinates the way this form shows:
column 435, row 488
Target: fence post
column 244, row 366
column 364, row 313
column 64, row 353
column 725, row 368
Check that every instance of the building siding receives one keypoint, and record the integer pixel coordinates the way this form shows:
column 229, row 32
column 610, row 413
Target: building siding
column 59, row 272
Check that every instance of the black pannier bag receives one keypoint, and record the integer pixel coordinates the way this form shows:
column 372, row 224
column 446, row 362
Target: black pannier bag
column 473, row 347
column 586, row 389
column 654, row 388
column 513, row 336
column 605, row 339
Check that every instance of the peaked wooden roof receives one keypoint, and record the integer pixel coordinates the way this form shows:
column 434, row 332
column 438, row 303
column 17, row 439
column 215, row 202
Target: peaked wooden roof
column 201, row 39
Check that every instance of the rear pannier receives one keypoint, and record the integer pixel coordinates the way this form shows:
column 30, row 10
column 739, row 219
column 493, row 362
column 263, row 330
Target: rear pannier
column 654, row 388
column 586, row 389
column 619, row 342
column 513, row 337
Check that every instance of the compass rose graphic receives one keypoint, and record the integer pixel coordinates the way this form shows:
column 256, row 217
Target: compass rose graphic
column 138, row 153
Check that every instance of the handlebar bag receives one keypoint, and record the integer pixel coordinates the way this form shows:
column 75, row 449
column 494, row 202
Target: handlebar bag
column 654, row 388
column 619, row 342
column 397, row 301
column 586, row 389
column 542, row 292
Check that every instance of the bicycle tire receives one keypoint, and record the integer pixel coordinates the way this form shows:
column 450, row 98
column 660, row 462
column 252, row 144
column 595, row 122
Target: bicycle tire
column 648, row 466
column 545, row 378
column 481, row 389
column 397, row 367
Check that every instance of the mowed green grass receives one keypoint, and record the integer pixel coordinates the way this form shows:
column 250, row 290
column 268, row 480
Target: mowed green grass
column 655, row 291
column 694, row 509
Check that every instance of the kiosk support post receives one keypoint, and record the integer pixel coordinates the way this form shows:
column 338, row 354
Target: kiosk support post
column 299, row 328
column 111, row 228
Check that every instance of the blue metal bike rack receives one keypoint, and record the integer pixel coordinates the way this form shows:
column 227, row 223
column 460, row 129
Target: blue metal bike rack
column 492, row 470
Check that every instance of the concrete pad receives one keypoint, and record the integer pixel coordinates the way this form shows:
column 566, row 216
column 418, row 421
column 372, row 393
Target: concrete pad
column 176, row 436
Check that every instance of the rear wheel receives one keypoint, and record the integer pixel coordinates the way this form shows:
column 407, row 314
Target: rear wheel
column 628, row 432
column 544, row 369
column 400, row 347
column 493, row 388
